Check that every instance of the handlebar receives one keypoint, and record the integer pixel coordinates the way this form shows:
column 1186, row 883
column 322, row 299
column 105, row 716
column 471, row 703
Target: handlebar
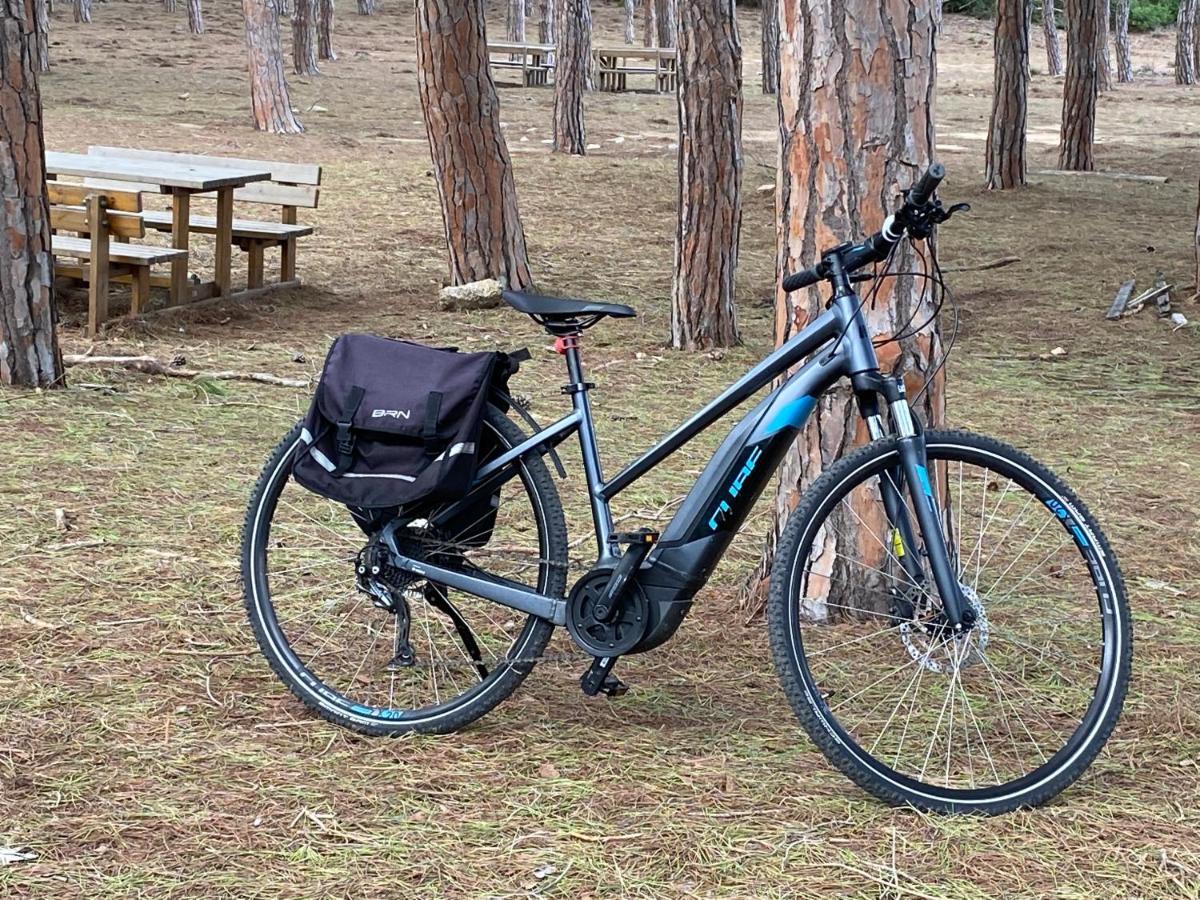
column 922, row 192
column 914, row 218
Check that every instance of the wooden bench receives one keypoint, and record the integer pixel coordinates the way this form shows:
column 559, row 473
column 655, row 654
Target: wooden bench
column 98, row 216
column 293, row 186
column 613, row 66
column 532, row 59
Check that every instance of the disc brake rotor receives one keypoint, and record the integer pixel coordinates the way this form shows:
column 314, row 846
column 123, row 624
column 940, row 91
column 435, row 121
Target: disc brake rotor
column 930, row 642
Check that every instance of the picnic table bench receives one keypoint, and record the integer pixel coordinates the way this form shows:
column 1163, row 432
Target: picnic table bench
column 614, row 64
column 96, row 217
column 119, row 171
column 534, row 60
column 291, row 186
column 180, row 180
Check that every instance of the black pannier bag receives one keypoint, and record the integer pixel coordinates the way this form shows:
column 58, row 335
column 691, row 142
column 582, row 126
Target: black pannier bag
column 394, row 423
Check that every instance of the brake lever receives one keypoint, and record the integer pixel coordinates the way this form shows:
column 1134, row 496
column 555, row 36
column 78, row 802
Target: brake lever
column 939, row 215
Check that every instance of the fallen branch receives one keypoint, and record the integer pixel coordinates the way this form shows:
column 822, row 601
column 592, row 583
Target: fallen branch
column 1118, row 176
column 151, row 366
column 993, row 264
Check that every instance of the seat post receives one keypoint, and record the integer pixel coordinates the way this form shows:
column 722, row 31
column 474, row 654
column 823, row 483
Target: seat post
column 568, row 346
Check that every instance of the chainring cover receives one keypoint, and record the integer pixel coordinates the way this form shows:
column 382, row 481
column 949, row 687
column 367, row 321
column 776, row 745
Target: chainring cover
column 602, row 639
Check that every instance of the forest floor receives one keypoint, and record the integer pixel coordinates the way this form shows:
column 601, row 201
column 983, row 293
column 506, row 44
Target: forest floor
column 145, row 747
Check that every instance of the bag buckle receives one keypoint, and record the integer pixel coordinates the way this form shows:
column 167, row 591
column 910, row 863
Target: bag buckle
column 345, row 438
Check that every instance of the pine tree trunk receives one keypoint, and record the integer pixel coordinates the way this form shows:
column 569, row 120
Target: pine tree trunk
column 710, row 176
column 284, row 7
column 325, row 30
column 169, row 5
column 1054, row 63
column 1196, row 283
column 268, row 87
column 29, row 354
column 1010, row 97
column 1104, row 59
column 668, row 22
column 1185, row 42
column 42, row 12
column 630, row 30
column 366, row 7
column 856, row 126
column 516, row 21
column 83, row 10
column 650, row 24
column 195, row 17
column 1075, row 151
column 573, row 56
column 546, row 26
column 471, row 165
column 1121, row 38
column 770, row 46
column 304, row 38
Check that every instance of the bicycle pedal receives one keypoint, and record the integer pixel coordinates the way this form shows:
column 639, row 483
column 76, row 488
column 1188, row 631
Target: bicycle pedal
column 598, row 679
column 613, row 687
column 641, row 536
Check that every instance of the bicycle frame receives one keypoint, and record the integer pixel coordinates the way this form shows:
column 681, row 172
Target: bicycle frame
column 836, row 345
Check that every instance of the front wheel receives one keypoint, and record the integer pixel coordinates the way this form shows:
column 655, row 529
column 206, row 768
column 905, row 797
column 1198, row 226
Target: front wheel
column 1005, row 715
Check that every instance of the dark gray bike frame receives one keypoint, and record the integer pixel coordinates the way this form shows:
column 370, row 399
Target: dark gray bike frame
column 836, row 345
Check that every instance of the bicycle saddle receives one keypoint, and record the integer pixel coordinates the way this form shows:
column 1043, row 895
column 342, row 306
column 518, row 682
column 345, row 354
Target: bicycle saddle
column 550, row 311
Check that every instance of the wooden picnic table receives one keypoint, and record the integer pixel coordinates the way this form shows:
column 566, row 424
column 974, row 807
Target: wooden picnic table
column 532, row 59
column 181, row 181
column 613, row 64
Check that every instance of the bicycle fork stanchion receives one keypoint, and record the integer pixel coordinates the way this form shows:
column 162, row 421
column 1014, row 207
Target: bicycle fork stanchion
column 911, row 445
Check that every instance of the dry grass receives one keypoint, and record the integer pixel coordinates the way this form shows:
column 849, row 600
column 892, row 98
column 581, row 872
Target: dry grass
column 146, row 749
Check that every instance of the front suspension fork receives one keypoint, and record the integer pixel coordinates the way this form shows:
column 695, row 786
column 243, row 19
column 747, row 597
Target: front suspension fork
column 913, row 470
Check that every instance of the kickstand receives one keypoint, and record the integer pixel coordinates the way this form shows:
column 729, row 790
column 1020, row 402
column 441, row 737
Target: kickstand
column 597, row 680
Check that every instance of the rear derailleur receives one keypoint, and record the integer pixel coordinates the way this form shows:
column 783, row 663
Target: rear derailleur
column 389, row 589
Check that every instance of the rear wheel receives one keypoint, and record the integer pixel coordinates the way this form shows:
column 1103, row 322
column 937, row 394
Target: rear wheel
column 403, row 654
column 1004, row 716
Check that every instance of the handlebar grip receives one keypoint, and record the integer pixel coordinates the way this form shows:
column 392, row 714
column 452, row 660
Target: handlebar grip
column 923, row 190
column 801, row 279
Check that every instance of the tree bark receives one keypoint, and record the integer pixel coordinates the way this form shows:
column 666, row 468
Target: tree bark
column 630, row 30
column 573, row 62
column 471, row 165
column 1121, row 38
column 169, row 5
column 856, row 126
column 516, row 21
column 304, row 38
column 1010, row 97
column 1104, row 57
column 668, row 22
column 650, row 24
column 269, row 99
column 366, row 7
column 284, row 7
column 546, row 26
column 1054, row 63
column 83, row 10
column 1075, row 151
column 710, row 176
column 1185, row 42
column 325, row 30
column 29, row 354
column 770, row 46
column 1196, row 283
column 42, row 12
column 195, row 17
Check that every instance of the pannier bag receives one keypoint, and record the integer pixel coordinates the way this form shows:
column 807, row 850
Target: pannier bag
column 393, row 422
